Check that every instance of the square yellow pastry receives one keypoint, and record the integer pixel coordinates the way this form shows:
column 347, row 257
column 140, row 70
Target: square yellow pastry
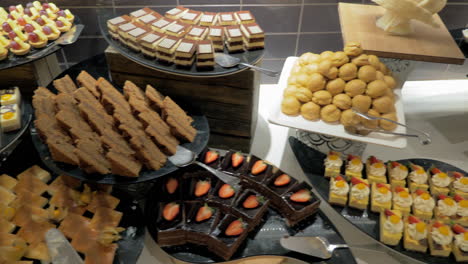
column 397, row 174
column 415, row 235
column 462, row 211
column 460, row 255
column 439, row 182
column 418, row 178
column 339, row 190
column 438, row 229
column 445, row 205
column 381, row 197
column 375, row 170
column 423, row 204
column 392, row 219
column 354, row 167
column 460, row 185
column 402, row 200
column 359, row 194
column 333, row 164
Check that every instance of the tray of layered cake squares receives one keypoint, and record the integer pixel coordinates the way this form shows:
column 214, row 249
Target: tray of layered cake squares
column 185, row 41
column 26, row 30
column 418, row 207
column 198, row 218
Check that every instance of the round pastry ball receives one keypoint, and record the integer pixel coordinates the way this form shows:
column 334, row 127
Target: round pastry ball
column 303, row 79
column 332, row 73
column 308, row 58
column 361, row 60
column 322, row 97
column 330, row 113
column 326, row 55
column 383, row 105
column 349, row 118
column 290, row 106
column 342, row 101
column 317, row 82
column 353, row 49
column 384, row 124
column 390, row 81
column 336, row 86
column 310, row 111
column 297, row 69
column 355, row 87
column 348, row 71
column 324, row 67
column 290, row 90
column 374, row 61
column 376, row 88
column 379, row 75
column 367, row 73
column 310, row 68
column 292, row 79
column 389, row 92
column 339, row 58
column 361, row 103
column 304, row 95
column 372, row 124
column 383, row 68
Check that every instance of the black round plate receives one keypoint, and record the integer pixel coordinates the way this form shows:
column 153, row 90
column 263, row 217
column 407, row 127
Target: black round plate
column 250, row 57
column 13, row 60
column 200, row 142
column 367, row 221
column 8, row 139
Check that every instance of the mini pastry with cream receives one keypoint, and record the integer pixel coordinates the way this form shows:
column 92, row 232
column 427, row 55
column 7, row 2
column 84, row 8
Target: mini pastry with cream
column 150, row 18
column 423, row 204
column 460, row 184
column 402, row 200
column 10, row 96
column 216, row 35
column 462, row 210
column 234, row 42
column 192, row 17
column 10, row 117
column 333, row 164
column 417, row 178
column 135, row 15
column 253, row 36
column 113, row 24
column 460, row 243
column 166, row 49
column 440, row 239
column 439, row 182
column 381, row 197
column 160, row 25
column 397, row 173
column 226, row 19
column 359, row 194
column 376, row 171
column 185, row 52
column 208, row 19
column 354, row 167
column 19, row 47
column 446, row 209
column 244, row 17
column 415, row 235
column 149, row 42
column 37, row 39
column 176, row 12
column 339, row 190
column 205, row 54
column 51, row 31
column 178, row 29
column 134, row 37
column 197, row 33
column 391, row 227
column 123, row 31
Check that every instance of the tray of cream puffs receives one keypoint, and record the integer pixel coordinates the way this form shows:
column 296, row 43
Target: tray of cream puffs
column 27, row 29
column 418, row 207
column 184, row 41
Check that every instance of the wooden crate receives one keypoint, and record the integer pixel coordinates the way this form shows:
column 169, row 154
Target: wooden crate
column 229, row 102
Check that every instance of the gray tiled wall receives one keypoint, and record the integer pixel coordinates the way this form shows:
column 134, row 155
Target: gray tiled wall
column 292, row 26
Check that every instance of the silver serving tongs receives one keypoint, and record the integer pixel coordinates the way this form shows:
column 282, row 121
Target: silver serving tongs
column 68, row 38
column 424, row 137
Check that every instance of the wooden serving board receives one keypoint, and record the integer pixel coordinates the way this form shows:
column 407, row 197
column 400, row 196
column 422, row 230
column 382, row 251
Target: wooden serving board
column 424, row 44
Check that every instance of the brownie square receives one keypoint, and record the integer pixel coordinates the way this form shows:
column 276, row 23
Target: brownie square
column 199, row 232
column 162, row 188
column 275, row 192
column 170, row 233
column 255, row 181
column 252, row 215
column 223, row 245
column 214, row 164
column 227, row 203
column 192, row 179
column 295, row 212
column 227, row 166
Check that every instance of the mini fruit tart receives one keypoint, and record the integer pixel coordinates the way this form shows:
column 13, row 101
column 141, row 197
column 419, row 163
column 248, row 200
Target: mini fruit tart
column 397, row 174
column 333, row 164
column 19, row 47
column 423, row 204
column 402, row 200
column 4, row 42
column 391, row 227
column 415, row 235
column 51, row 31
column 67, row 15
column 37, row 39
column 439, row 181
column 375, row 170
column 446, row 209
column 359, row 194
column 440, row 239
column 3, row 53
column 417, row 178
column 381, row 197
column 354, row 167
column 63, row 25
column 339, row 190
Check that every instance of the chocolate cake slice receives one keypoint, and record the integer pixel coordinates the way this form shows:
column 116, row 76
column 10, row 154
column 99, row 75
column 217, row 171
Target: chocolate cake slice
column 171, row 188
column 171, row 231
column 297, row 210
column 224, row 195
column 252, row 205
column 201, row 219
column 229, row 167
column 255, row 173
column 225, row 245
column 207, row 157
column 276, row 187
column 65, row 84
column 200, row 185
column 87, row 81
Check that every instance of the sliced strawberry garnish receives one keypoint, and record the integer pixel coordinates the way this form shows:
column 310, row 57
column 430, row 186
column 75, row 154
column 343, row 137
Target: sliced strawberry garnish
column 458, row 229
column 282, row 180
column 259, row 167
column 351, row 157
column 395, row 164
column 226, row 191
column 237, row 159
column 170, row 211
column 435, row 171
column 413, row 219
column 399, row 189
column 442, row 196
column 251, row 202
column 235, row 228
column 373, row 160
column 419, row 191
column 171, row 185
column 415, row 167
column 205, row 212
column 458, row 198
column 339, row 178
column 381, row 185
column 437, row 224
column 457, row 174
column 388, row 212
column 202, row 188
column 355, row 180
column 301, row 196
column 211, row 156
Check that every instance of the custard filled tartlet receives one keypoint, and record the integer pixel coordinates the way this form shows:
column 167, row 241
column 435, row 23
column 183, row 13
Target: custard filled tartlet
column 381, row 197
column 375, row 170
column 417, row 178
column 402, row 200
column 354, row 167
column 333, row 164
column 397, row 174
column 439, row 182
column 440, row 239
column 460, row 243
column 423, row 204
column 339, row 190
column 391, row 227
column 359, row 194
column 415, row 237
column 446, row 209
column 460, row 184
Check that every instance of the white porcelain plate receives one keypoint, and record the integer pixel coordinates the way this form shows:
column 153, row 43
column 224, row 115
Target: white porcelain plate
column 336, row 130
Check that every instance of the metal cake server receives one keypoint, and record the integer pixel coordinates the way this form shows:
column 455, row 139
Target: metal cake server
column 314, row 246
column 68, row 38
column 60, row 250
column 228, row 61
column 185, row 157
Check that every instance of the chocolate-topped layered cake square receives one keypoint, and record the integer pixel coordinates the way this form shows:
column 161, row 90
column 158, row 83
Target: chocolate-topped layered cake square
column 199, row 185
column 234, row 163
column 252, row 205
column 201, row 219
column 170, row 224
column 278, row 184
column 224, row 195
column 170, row 188
column 299, row 203
column 228, row 236
column 210, row 157
column 255, row 173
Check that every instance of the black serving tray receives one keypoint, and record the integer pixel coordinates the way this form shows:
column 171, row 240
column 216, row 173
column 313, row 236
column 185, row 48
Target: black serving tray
column 96, row 67
column 14, row 60
column 367, row 221
column 250, row 57
column 8, row 139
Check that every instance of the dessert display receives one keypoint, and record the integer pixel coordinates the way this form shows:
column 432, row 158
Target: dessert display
column 86, row 216
column 439, row 181
column 397, row 174
column 391, row 227
column 205, row 54
column 440, row 239
column 381, row 197
column 375, row 170
column 327, row 86
column 10, row 111
column 196, row 207
column 103, row 130
column 237, row 30
column 359, row 194
column 32, row 27
column 415, row 235
column 418, row 178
